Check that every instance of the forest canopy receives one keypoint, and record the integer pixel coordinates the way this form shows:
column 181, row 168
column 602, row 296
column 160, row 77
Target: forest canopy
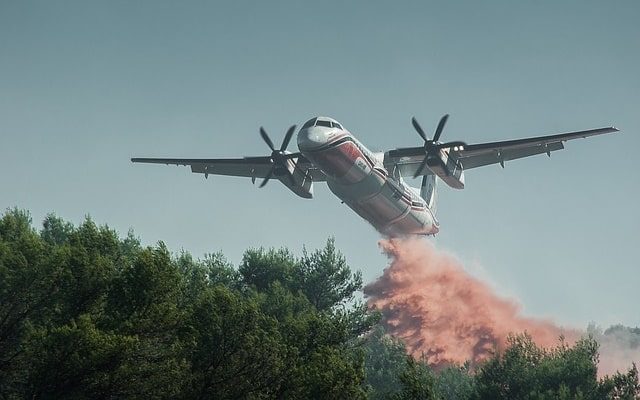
column 86, row 313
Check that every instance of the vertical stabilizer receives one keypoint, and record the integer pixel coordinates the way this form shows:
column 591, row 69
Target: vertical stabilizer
column 428, row 191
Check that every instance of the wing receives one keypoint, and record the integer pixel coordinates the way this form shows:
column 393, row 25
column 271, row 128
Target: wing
column 251, row 167
column 407, row 160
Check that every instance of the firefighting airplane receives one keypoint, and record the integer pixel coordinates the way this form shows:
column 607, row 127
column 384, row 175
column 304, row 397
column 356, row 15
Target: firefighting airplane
column 371, row 183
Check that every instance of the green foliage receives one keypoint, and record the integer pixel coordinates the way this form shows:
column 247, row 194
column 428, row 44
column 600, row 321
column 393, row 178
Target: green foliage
column 455, row 383
column 236, row 350
column 87, row 314
column 28, row 283
column 77, row 360
column 260, row 268
column 325, row 278
column 55, row 230
column 385, row 361
column 526, row 371
column 623, row 386
column 418, row 382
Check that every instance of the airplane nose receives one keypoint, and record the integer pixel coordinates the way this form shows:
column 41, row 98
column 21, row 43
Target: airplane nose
column 312, row 138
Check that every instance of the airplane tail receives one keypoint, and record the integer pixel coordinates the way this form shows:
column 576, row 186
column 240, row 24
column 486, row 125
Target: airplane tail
column 428, row 191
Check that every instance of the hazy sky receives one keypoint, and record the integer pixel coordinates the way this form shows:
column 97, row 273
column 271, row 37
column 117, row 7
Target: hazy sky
column 86, row 85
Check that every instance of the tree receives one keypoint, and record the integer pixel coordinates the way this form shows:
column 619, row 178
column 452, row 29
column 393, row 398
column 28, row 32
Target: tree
column 55, row 230
column 78, row 360
column 325, row 278
column 526, row 371
column 623, row 386
column 455, row 382
column 236, row 350
column 417, row 382
column 385, row 361
column 85, row 313
column 260, row 268
column 27, row 283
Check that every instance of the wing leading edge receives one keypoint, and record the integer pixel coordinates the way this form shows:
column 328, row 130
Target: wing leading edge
column 478, row 155
column 251, row 167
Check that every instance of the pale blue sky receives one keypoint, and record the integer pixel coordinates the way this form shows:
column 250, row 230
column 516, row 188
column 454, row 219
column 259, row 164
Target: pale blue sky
column 86, row 85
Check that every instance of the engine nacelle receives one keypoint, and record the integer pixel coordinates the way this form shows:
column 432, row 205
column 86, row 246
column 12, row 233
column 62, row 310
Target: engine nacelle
column 303, row 184
column 447, row 168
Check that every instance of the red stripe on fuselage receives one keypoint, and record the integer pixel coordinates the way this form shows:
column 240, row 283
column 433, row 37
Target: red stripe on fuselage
column 338, row 158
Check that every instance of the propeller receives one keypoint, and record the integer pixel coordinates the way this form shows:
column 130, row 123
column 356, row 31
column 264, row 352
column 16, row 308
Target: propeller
column 433, row 146
column 278, row 156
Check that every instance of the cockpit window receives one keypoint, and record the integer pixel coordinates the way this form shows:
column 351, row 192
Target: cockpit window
column 323, row 123
column 336, row 125
column 309, row 123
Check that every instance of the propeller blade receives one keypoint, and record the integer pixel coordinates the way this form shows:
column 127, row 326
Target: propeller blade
column 421, row 168
column 418, row 128
column 287, row 138
column 266, row 138
column 443, row 121
column 266, row 178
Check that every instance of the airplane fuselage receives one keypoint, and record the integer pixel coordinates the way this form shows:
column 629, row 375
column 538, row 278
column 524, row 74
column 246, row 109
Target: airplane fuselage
column 358, row 177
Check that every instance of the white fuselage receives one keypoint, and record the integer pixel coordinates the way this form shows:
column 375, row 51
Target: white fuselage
column 358, row 177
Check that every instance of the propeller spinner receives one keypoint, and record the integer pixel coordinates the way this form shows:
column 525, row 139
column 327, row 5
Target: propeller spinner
column 278, row 157
column 433, row 146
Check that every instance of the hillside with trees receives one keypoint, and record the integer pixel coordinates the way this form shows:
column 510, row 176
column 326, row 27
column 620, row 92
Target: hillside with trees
column 85, row 313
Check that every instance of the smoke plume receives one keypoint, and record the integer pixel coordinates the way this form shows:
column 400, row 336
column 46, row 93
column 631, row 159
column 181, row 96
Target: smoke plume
column 444, row 314
column 447, row 316
column 619, row 348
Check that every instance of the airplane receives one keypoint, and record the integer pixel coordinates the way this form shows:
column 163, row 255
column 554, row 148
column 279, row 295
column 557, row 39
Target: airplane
column 372, row 183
